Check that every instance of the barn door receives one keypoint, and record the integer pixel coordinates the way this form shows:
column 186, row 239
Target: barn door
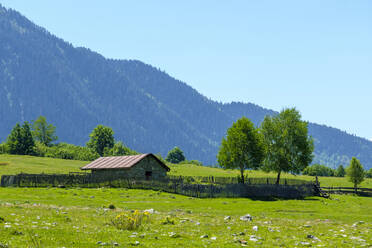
column 148, row 175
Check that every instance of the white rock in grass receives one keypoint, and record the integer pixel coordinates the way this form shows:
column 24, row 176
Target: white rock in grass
column 174, row 235
column 150, row 211
column 227, row 218
column 7, row 226
column 246, row 217
column 309, row 236
column 254, row 239
column 213, row 238
column 204, row 236
column 255, row 228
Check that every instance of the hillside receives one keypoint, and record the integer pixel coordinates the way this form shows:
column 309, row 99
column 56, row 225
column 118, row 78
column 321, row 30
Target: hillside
column 150, row 111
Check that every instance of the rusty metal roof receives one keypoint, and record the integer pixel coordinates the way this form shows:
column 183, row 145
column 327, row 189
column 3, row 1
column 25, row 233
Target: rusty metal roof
column 119, row 162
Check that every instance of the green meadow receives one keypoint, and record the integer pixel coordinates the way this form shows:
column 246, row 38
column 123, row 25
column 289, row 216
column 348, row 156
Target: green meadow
column 13, row 164
column 52, row 217
column 76, row 217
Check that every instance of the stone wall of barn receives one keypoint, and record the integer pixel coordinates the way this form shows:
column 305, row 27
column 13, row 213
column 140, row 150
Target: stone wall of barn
column 138, row 171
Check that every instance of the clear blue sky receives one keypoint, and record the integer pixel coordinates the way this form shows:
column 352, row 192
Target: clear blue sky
column 314, row 55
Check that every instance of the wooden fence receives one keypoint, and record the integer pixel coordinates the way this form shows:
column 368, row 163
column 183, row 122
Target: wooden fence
column 179, row 185
column 347, row 190
column 237, row 179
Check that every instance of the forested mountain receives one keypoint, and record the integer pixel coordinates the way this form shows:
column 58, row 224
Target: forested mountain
column 150, row 111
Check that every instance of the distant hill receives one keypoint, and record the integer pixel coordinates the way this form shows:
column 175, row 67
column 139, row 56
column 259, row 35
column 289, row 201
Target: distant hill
column 150, row 111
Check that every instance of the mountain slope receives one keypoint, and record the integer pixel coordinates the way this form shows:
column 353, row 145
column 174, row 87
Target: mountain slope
column 76, row 89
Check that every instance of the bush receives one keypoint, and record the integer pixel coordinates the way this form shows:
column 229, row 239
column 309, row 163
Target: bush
column 340, row 172
column 66, row 151
column 168, row 221
column 40, row 149
column 130, row 221
column 195, row 162
column 4, row 148
column 119, row 149
column 318, row 170
column 175, row 156
column 369, row 173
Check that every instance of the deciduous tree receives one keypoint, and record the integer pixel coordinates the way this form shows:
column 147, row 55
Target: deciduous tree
column 355, row 172
column 175, row 156
column 101, row 137
column 43, row 132
column 242, row 148
column 288, row 145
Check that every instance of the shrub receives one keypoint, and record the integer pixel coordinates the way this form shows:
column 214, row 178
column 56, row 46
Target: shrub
column 175, row 156
column 40, row 149
column 318, row 170
column 68, row 151
column 369, row 173
column 168, row 221
column 119, row 149
column 112, row 206
column 130, row 221
column 4, row 148
column 195, row 162
column 340, row 172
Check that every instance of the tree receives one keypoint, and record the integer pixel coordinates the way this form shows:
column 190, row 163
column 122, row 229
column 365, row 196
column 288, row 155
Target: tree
column 340, row 171
column 20, row 140
column 369, row 173
column 288, row 145
column 355, row 172
column 318, row 170
column 242, row 148
column 44, row 132
column 119, row 149
column 101, row 137
column 175, row 156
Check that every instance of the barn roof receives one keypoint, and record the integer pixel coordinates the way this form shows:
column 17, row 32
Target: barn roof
column 119, row 162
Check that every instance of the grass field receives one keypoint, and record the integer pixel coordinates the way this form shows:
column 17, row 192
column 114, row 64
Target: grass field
column 52, row 217
column 29, row 164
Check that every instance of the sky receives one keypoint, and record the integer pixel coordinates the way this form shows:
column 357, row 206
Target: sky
column 313, row 55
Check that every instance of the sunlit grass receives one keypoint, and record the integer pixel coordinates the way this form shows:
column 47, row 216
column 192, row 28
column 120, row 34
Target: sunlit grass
column 81, row 218
column 29, row 164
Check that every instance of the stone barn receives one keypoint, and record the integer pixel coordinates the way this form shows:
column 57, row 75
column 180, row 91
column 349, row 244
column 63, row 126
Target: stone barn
column 143, row 166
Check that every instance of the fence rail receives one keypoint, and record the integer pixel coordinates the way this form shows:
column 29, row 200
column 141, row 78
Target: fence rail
column 232, row 180
column 347, row 190
column 201, row 187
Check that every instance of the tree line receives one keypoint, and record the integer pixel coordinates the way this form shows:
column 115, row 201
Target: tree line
column 280, row 144
column 38, row 139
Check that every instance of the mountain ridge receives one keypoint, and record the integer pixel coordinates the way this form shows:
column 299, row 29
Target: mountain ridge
column 76, row 89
